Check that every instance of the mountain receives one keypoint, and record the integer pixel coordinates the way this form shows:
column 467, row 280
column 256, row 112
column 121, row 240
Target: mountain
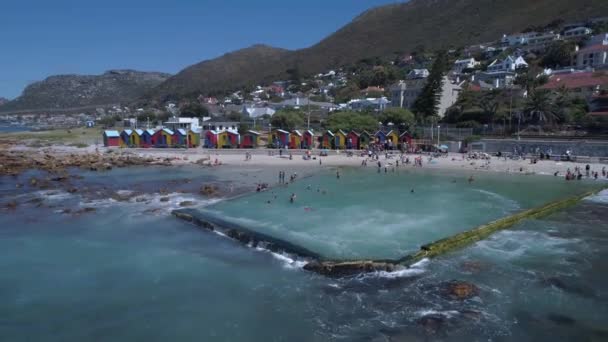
column 3, row 100
column 72, row 92
column 381, row 31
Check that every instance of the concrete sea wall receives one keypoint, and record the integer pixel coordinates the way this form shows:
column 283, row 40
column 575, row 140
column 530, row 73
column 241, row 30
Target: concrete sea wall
column 577, row 147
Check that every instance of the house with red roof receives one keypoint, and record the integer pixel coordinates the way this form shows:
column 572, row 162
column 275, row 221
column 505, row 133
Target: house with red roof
column 581, row 84
column 594, row 56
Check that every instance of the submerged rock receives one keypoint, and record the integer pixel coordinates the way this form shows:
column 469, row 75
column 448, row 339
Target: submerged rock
column 432, row 323
column 570, row 288
column 186, row 204
column 11, row 205
column 209, row 190
column 561, row 319
column 460, row 290
column 348, row 268
column 164, row 199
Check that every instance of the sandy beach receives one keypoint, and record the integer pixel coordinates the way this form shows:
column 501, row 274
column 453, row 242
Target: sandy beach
column 264, row 157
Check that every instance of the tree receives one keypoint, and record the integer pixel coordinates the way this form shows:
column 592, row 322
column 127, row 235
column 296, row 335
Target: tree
column 347, row 93
column 194, row 109
column 287, row 119
column 348, row 121
column 398, row 116
column 427, row 102
column 558, row 54
column 540, row 109
column 489, row 104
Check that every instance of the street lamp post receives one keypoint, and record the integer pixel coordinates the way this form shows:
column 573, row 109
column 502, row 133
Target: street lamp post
column 438, row 133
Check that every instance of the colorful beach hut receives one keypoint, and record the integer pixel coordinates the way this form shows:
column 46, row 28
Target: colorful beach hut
column 194, row 138
column 352, row 140
column 250, row 139
column 406, row 138
column 145, row 140
column 328, row 140
column 135, row 138
column 125, row 138
column 295, row 140
column 380, row 137
column 162, row 138
column 228, row 139
column 364, row 139
column 308, row 139
column 278, row 138
column 393, row 137
column 111, row 138
column 179, row 138
column 340, row 138
column 210, row 139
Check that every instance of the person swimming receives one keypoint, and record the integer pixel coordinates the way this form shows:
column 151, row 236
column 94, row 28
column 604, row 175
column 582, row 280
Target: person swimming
column 292, row 199
column 471, row 179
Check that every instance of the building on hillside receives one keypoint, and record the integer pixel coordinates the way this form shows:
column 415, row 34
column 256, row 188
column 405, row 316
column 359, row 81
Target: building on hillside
column 418, row 73
column 580, row 84
column 594, row 56
column 577, row 33
column 495, row 79
column 374, row 104
column 598, row 105
column 256, row 112
column 405, row 93
column 510, row 63
column 541, row 40
column 304, row 102
column 220, row 126
column 598, row 39
column 111, row 138
column 176, row 123
column 463, row 64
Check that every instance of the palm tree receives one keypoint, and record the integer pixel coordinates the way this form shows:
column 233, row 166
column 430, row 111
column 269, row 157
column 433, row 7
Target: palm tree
column 540, row 109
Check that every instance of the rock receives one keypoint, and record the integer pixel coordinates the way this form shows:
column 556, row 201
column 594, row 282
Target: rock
column 186, row 204
column 561, row 319
column 472, row 266
column 140, row 199
column 66, row 211
column 209, row 190
column 570, row 288
column 72, row 190
column 164, row 199
column 85, row 210
column 153, row 211
column 11, row 205
column 343, row 269
column 432, row 323
column 460, row 290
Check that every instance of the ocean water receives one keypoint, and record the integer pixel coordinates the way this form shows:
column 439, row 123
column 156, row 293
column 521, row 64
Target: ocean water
column 364, row 214
column 13, row 128
column 130, row 272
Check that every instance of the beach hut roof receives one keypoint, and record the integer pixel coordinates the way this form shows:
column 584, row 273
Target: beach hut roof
column 329, row 132
column 182, row 131
column 355, row 133
column 380, row 132
column 112, row 134
column 310, row 132
column 138, row 132
column 404, row 133
column 297, row 132
column 253, row 132
column 128, row 131
column 195, row 130
column 282, row 131
column 168, row 131
column 151, row 131
column 391, row 132
column 341, row 132
column 211, row 131
column 229, row 131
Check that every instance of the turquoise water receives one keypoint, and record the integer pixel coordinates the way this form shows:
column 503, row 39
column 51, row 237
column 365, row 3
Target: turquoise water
column 364, row 214
column 126, row 273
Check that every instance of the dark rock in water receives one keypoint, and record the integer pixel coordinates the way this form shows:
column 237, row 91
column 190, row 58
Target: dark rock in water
column 66, row 211
column 460, row 290
column 348, row 268
column 153, row 210
column 85, row 210
column 72, row 190
column 209, row 190
column 11, row 205
column 36, row 200
column 570, row 288
column 471, row 314
column 432, row 323
column 472, row 266
column 561, row 319
column 186, row 204
column 164, row 199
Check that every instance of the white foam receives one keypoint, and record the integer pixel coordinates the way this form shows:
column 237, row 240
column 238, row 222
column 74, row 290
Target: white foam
column 405, row 272
column 446, row 313
column 600, row 197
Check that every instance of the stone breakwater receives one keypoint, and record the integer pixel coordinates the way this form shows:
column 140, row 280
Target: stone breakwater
column 339, row 268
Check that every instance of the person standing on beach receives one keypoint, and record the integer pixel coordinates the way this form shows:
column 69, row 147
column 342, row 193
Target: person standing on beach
column 587, row 169
column 338, row 174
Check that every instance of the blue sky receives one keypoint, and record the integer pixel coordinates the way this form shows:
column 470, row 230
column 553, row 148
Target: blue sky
column 39, row 38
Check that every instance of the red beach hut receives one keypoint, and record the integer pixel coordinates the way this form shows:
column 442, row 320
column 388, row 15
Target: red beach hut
column 352, row 140
column 111, row 138
column 307, row 139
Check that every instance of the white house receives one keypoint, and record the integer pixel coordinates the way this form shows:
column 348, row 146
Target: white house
column 462, row 64
column 595, row 56
column 256, row 112
column 405, row 93
column 175, row 123
column 418, row 73
column 375, row 104
column 510, row 63
column 577, row 32
column 598, row 39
